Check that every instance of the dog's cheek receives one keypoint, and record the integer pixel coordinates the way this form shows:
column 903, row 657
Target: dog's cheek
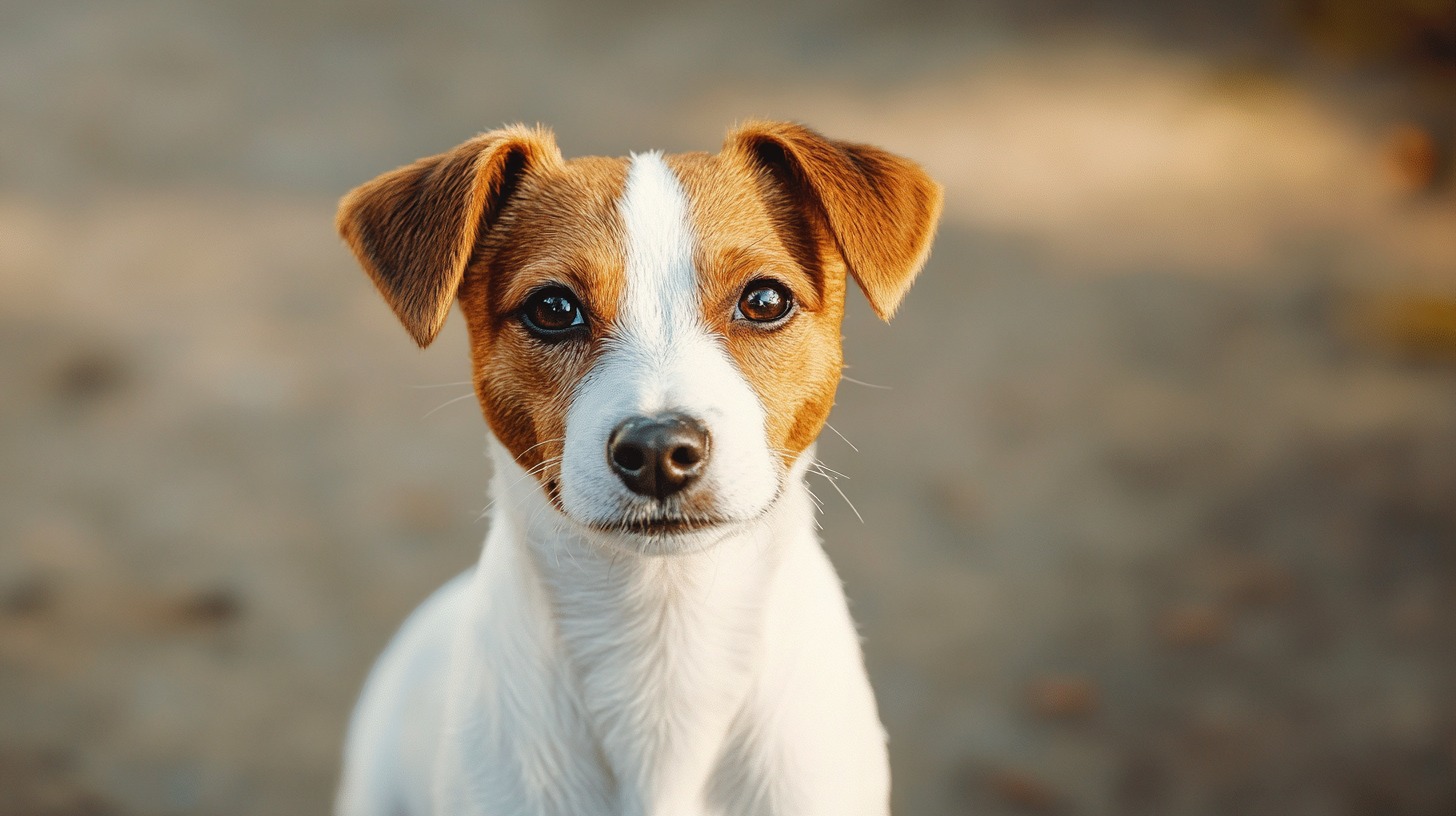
column 509, row 417
column 794, row 373
column 540, row 384
column 512, row 390
column 525, row 393
column 815, row 399
column 513, row 426
column 808, row 421
column 513, row 399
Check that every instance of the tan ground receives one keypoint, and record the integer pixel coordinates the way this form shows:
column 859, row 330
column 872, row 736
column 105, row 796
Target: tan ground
column 1159, row 499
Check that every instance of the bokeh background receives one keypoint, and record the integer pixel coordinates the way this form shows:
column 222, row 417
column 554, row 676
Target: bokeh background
column 1157, row 467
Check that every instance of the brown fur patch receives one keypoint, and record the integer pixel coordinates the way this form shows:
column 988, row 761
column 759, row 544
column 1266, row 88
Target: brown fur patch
column 561, row 228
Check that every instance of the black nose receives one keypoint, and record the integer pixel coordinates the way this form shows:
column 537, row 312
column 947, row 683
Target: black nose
column 658, row 455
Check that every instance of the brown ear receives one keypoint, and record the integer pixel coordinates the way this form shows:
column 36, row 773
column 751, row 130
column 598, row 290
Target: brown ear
column 414, row 229
column 880, row 208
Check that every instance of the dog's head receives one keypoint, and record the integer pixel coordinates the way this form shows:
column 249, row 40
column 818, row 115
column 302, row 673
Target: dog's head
column 656, row 339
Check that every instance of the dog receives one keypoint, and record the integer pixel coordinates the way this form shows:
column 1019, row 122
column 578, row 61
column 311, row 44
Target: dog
column 653, row 627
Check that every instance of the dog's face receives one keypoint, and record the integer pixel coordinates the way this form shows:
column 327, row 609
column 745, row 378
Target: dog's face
column 655, row 339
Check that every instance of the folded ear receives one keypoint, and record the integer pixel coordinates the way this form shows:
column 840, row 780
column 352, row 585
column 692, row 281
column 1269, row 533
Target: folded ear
column 881, row 209
column 414, row 229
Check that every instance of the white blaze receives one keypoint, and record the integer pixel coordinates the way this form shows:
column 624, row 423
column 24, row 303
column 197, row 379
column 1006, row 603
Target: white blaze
column 663, row 358
column 661, row 300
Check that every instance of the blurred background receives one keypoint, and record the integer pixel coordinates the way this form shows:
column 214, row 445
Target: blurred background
column 1157, row 466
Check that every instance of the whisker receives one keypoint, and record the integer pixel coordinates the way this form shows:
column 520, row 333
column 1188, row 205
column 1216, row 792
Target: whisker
column 819, row 463
column 842, row 436
column 819, row 507
column 518, row 456
column 834, row 484
column 448, row 402
column 814, row 498
column 848, row 378
column 529, row 473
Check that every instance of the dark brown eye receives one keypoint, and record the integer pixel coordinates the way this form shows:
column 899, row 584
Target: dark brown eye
column 552, row 311
column 764, row 301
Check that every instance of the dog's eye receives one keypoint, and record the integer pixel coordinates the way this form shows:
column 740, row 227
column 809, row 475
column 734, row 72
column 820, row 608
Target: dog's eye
column 552, row 311
column 764, row 301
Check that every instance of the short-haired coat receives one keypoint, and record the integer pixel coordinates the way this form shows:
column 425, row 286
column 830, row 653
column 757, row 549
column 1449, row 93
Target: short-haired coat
column 653, row 626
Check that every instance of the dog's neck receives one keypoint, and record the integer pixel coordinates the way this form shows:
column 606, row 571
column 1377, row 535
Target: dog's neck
column 664, row 649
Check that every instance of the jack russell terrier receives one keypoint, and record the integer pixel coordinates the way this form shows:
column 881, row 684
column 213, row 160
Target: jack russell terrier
column 653, row 627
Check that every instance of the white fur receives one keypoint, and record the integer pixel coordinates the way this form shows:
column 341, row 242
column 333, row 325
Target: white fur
column 578, row 672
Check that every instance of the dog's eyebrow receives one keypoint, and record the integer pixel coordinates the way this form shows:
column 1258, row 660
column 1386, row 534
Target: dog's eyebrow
column 579, row 274
column 751, row 254
column 755, row 260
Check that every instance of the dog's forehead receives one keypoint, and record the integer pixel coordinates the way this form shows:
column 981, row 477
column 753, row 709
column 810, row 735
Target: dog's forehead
column 582, row 221
column 723, row 198
column 566, row 205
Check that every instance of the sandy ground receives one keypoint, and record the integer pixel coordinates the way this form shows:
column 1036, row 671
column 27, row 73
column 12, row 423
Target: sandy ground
column 1157, row 467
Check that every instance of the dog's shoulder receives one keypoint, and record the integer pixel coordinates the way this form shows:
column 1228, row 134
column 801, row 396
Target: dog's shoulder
column 394, row 733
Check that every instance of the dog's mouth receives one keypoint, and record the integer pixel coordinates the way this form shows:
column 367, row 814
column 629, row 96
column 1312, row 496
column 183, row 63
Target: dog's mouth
column 646, row 522
column 660, row 526
column 663, row 522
